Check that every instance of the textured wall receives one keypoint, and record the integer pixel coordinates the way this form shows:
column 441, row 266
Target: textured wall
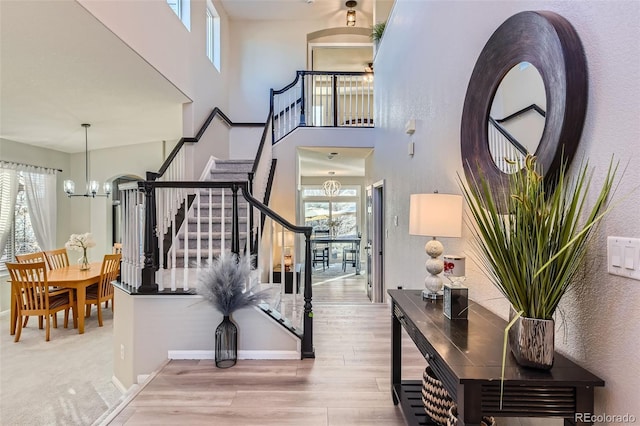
column 422, row 69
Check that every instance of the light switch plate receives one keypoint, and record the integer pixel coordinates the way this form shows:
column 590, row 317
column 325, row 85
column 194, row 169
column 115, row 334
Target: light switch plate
column 623, row 257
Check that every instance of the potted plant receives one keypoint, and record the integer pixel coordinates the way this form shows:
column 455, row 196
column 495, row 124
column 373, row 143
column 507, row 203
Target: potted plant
column 533, row 253
column 224, row 284
column 376, row 32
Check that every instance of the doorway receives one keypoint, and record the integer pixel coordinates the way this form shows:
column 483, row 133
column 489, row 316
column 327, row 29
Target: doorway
column 375, row 242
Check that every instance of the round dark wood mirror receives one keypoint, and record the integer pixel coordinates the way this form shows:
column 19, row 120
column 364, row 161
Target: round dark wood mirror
column 550, row 44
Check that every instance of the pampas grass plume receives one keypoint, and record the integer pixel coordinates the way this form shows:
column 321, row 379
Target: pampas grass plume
column 223, row 283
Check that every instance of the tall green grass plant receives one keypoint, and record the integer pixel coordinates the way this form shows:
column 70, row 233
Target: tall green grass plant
column 534, row 253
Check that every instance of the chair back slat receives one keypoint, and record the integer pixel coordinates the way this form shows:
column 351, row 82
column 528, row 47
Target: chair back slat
column 57, row 258
column 108, row 273
column 30, row 286
column 31, row 257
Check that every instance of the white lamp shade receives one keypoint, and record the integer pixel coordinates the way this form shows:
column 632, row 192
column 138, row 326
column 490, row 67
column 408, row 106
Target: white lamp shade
column 435, row 215
column 289, row 239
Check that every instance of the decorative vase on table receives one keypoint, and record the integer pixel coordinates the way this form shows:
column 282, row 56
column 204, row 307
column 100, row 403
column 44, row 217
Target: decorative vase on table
column 83, row 261
column 226, row 343
column 532, row 341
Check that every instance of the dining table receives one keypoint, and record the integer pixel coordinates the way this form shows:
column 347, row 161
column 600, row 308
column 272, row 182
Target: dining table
column 354, row 240
column 68, row 277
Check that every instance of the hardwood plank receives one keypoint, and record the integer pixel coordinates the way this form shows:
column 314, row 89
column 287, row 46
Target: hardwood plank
column 386, row 416
column 348, row 383
column 194, row 416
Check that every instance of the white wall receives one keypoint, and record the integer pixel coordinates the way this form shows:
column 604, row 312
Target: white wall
column 148, row 327
column 154, row 31
column 106, row 165
column 266, row 55
column 284, row 196
column 430, row 86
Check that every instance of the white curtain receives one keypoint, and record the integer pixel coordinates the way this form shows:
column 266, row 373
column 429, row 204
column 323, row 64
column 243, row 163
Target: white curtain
column 40, row 191
column 8, row 192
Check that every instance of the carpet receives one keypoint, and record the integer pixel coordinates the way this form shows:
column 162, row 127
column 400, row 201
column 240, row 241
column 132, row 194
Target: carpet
column 66, row 381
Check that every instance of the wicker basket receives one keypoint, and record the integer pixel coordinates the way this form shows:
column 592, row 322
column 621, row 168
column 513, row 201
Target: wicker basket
column 452, row 419
column 435, row 397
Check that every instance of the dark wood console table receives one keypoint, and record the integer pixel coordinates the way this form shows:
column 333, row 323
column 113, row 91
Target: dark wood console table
column 467, row 357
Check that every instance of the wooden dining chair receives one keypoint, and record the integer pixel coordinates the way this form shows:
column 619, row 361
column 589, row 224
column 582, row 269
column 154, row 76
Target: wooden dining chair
column 103, row 292
column 320, row 250
column 31, row 257
column 31, row 291
column 57, row 258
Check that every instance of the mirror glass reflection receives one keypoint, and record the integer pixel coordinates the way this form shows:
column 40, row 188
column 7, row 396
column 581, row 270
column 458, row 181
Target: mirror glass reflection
column 517, row 117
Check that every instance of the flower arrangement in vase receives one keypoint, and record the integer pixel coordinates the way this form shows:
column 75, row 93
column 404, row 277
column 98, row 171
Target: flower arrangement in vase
column 81, row 242
column 225, row 284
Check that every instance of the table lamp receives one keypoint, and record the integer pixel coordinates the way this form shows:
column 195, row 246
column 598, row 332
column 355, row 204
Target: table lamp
column 286, row 240
column 435, row 215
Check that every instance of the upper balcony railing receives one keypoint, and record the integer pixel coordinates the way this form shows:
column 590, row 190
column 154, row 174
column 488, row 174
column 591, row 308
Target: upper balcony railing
column 323, row 99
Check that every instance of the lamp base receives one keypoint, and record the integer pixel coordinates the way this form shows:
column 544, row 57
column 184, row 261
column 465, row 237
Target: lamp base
column 427, row 294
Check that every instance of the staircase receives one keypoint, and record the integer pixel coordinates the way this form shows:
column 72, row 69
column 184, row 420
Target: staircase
column 205, row 217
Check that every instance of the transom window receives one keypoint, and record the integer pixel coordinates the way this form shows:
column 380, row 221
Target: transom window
column 213, row 35
column 182, row 9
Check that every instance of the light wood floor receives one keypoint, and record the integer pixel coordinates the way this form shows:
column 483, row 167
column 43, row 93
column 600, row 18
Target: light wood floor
column 348, row 383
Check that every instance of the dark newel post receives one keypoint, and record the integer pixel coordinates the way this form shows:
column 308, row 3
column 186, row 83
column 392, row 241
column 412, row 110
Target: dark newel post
column 149, row 270
column 307, row 339
column 302, row 118
column 335, row 100
column 235, row 228
column 252, row 243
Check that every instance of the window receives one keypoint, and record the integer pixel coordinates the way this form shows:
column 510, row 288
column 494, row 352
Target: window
column 182, row 9
column 22, row 239
column 340, row 214
column 213, row 35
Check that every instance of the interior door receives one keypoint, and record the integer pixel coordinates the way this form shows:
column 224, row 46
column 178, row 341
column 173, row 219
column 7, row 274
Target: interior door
column 369, row 239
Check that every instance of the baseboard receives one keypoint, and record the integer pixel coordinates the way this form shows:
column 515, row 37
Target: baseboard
column 242, row 354
column 268, row 355
column 118, row 384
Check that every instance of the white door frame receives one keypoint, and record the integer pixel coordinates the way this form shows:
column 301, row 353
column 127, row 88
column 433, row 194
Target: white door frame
column 378, row 242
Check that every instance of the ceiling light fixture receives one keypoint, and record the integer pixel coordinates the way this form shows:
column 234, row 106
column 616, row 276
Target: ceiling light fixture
column 351, row 13
column 91, row 186
column 331, row 187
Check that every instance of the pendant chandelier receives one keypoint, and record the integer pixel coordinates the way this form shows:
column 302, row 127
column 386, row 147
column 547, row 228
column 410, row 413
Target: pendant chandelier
column 331, row 187
column 351, row 13
column 91, row 186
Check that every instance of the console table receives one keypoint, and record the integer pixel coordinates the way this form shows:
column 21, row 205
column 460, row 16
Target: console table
column 467, row 357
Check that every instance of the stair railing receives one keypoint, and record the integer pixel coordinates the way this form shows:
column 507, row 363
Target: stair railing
column 141, row 273
column 323, row 99
column 507, row 152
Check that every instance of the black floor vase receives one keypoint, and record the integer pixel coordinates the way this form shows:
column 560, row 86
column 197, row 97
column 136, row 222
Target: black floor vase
column 226, row 343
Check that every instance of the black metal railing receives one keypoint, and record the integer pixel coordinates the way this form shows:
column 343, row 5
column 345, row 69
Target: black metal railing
column 323, row 99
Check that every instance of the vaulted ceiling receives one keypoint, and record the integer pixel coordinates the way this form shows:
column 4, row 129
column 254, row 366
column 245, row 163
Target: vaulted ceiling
column 60, row 67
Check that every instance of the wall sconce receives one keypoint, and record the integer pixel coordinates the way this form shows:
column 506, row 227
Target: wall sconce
column 351, row 13
column 435, row 215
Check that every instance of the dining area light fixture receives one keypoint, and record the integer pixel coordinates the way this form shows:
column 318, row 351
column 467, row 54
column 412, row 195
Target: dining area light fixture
column 331, row 187
column 92, row 186
column 351, row 13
